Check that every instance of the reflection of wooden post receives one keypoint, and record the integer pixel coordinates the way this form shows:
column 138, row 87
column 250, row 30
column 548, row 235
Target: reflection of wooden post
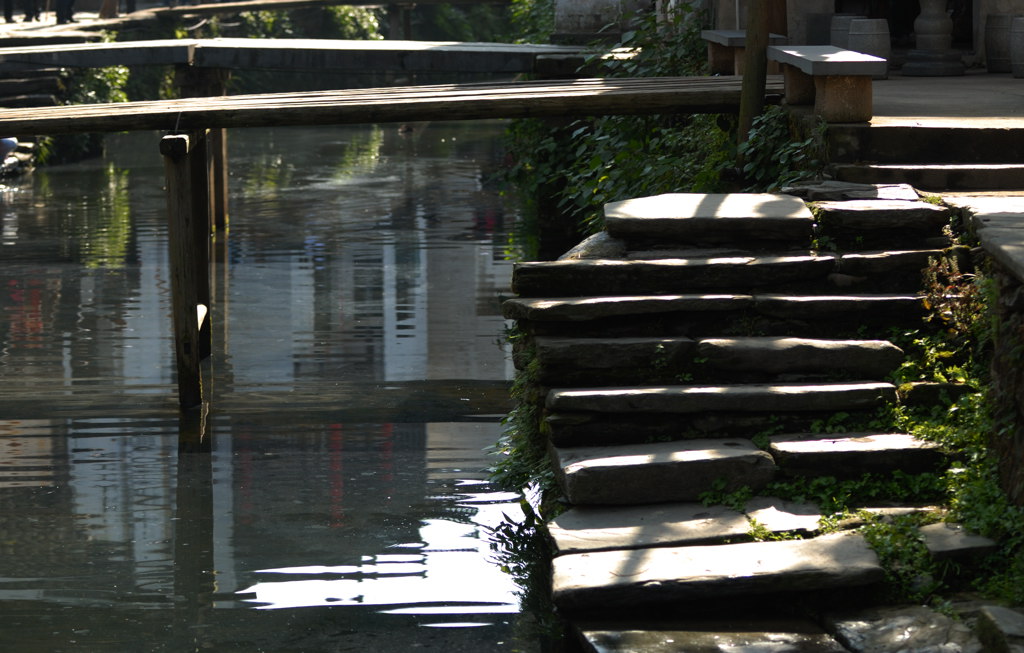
column 194, row 582
column 188, row 236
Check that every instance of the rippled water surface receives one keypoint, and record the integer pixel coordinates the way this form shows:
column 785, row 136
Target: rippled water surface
column 357, row 383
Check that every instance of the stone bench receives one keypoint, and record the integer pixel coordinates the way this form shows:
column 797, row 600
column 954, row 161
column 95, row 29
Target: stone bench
column 726, row 49
column 836, row 81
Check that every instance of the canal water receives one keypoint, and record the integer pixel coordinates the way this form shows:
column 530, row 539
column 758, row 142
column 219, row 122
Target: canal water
column 357, row 388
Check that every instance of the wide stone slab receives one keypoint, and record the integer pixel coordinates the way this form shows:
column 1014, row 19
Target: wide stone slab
column 659, row 471
column 614, row 277
column 602, row 528
column 853, row 454
column 858, row 358
column 710, row 218
column 910, row 629
column 582, row 309
column 746, row 638
column 752, row 397
column 633, row 579
column 882, row 215
column 830, row 190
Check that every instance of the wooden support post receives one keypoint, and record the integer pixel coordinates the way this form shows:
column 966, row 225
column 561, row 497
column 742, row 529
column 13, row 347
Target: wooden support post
column 202, row 210
column 219, row 183
column 755, row 67
column 211, row 82
column 400, row 21
column 188, row 237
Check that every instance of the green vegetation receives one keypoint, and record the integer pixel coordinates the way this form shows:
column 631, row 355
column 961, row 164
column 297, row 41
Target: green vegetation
column 532, row 21
column 523, row 456
column 572, row 169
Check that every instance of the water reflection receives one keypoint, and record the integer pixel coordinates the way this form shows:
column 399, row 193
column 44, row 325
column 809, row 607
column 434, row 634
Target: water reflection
column 355, row 385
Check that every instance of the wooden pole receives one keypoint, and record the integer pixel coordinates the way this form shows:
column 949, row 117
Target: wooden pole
column 219, row 183
column 200, row 159
column 755, row 73
column 185, row 256
column 194, row 82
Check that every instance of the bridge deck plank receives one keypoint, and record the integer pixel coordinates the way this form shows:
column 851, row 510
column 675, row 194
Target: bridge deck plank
column 336, row 54
column 399, row 104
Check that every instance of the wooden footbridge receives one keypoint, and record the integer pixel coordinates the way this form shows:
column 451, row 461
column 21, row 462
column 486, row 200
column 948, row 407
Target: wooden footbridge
column 335, row 55
column 194, row 148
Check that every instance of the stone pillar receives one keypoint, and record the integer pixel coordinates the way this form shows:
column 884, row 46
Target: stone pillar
column 933, row 31
column 807, row 21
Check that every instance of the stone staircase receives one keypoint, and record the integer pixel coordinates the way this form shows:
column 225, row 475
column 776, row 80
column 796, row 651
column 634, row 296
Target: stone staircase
column 20, row 87
column 30, row 85
column 697, row 346
column 929, row 158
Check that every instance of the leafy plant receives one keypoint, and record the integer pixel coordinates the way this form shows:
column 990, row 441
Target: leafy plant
column 912, row 572
column 773, row 158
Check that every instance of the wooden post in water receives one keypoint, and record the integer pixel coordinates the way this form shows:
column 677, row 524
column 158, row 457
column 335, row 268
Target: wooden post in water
column 218, row 144
column 755, row 72
column 188, row 236
column 200, row 159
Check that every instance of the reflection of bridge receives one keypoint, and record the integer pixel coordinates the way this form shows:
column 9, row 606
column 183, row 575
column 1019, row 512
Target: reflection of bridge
column 195, row 156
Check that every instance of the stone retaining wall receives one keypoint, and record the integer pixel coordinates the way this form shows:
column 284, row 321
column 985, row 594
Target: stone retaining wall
column 999, row 223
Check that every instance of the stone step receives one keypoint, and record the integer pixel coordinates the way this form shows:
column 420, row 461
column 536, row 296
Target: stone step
column 618, row 277
column 951, row 541
column 617, row 527
column 886, row 271
column 606, row 528
column 743, row 398
column 937, row 177
column 659, row 471
column 702, row 315
column 905, row 144
column 881, row 215
column 898, row 629
column 874, row 224
column 575, row 429
column 640, row 578
column 610, row 416
column 612, row 361
column 782, row 635
column 830, row 190
column 851, row 455
column 710, row 218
